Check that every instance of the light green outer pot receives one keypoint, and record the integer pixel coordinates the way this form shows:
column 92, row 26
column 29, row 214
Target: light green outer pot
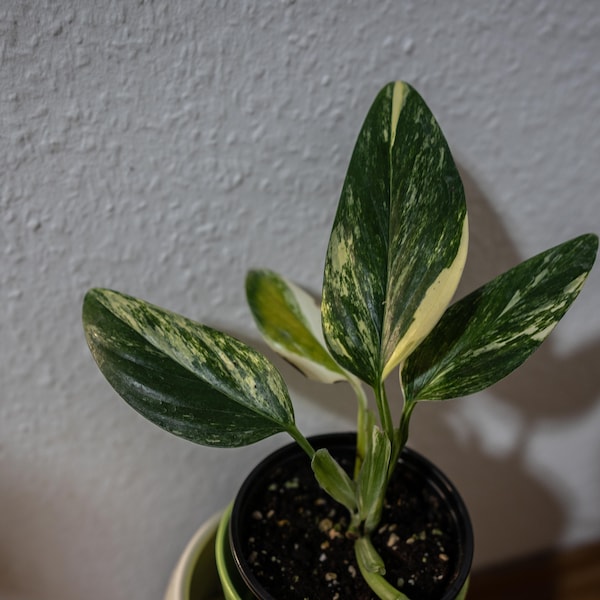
column 462, row 595
column 195, row 575
column 231, row 581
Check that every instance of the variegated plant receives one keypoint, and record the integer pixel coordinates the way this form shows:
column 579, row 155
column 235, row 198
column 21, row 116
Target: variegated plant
column 395, row 257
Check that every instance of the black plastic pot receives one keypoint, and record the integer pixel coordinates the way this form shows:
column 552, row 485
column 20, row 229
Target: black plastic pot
column 411, row 466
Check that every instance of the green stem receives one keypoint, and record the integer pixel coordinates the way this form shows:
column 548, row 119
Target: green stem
column 383, row 408
column 401, row 435
column 372, row 570
column 301, row 441
column 407, row 411
column 361, row 424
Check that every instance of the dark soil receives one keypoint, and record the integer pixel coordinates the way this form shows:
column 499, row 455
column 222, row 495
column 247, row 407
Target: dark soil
column 297, row 547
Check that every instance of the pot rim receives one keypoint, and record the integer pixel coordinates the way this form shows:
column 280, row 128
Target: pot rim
column 411, row 458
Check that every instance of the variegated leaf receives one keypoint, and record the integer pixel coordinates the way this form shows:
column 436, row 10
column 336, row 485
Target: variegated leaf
column 333, row 479
column 290, row 322
column 399, row 239
column 483, row 337
column 189, row 379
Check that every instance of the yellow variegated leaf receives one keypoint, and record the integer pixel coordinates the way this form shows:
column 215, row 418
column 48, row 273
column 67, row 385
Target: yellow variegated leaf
column 290, row 321
column 399, row 239
column 432, row 307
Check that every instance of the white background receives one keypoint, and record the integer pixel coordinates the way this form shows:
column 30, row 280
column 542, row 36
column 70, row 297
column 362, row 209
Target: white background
column 163, row 148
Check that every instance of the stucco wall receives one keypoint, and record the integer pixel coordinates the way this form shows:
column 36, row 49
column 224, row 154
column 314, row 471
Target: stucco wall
column 163, row 148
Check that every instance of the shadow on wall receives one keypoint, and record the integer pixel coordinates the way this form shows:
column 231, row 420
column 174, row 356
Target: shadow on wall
column 514, row 513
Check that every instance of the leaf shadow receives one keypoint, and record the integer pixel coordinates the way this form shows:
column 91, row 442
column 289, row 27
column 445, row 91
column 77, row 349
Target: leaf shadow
column 514, row 510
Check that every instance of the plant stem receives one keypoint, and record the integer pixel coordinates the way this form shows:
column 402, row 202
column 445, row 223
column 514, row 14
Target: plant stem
column 401, row 435
column 405, row 422
column 371, row 568
column 362, row 432
column 301, row 441
column 383, row 408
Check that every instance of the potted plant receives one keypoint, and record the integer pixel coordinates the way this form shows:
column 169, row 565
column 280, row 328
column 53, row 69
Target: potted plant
column 395, row 256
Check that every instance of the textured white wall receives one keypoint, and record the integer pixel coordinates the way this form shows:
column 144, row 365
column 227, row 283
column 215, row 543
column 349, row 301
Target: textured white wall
column 163, row 148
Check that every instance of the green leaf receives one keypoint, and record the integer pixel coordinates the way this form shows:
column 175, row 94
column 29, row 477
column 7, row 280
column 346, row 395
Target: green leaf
column 194, row 381
column 489, row 333
column 372, row 479
column 399, row 239
column 333, row 479
column 290, row 322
